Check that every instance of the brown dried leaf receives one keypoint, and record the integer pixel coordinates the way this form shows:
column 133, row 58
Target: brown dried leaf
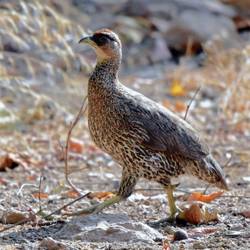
column 197, row 196
column 100, row 195
column 32, row 177
column 180, row 106
column 246, row 213
column 40, row 195
column 166, row 103
column 12, row 160
column 13, row 217
column 199, row 212
column 72, row 194
column 7, row 161
column 193, row 214
column 75, row 146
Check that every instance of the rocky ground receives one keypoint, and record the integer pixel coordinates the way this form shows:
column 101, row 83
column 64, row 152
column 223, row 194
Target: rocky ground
column 171, row 49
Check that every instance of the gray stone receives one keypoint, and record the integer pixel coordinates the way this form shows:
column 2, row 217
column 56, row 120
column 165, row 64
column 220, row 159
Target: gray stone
column 108, row 228
column 12, row 43
column 200, row 26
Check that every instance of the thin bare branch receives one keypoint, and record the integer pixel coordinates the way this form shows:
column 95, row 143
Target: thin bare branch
column 66, row 155
column 40, row 188
column 20, row 190
column 45, row 217
column 190, row 103
column 66, row 205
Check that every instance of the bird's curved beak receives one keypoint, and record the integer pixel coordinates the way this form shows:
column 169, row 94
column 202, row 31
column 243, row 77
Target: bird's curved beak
column 86, row 39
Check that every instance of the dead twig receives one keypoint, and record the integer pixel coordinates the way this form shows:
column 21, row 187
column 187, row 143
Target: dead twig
column 206, row 188
column 19, row 192
column 190, row 103
column 45, row 217
column 40, row 188
column 66, row 156
column 66, row 205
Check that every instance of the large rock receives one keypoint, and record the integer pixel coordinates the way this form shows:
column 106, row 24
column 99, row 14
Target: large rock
column 199, row 26
column 149, row 29
column 108, row 228
column 37, row 41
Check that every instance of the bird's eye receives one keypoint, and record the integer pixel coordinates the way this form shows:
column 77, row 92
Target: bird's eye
column 102, row 40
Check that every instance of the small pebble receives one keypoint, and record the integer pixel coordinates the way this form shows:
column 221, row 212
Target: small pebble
column 180, row 235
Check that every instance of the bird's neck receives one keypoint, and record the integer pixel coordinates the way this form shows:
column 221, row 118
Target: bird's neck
column 105, row 73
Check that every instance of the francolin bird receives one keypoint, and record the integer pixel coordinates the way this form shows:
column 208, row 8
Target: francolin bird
column 142, row 136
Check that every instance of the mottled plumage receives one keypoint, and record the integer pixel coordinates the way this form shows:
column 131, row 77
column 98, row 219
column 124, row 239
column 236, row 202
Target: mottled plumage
column 145, row 138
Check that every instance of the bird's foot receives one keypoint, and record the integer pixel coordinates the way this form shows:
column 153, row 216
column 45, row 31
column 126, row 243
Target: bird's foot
column 96, row 208
column 175, row 215
column 173, row 219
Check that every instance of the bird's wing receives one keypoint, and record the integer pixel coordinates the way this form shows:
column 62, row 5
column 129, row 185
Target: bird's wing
column 161, row 130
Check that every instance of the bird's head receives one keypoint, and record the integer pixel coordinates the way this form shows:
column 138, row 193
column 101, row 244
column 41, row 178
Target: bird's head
column 106, row 44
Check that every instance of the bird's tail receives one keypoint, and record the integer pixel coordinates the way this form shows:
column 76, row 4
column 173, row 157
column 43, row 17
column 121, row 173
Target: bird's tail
column 209, row 170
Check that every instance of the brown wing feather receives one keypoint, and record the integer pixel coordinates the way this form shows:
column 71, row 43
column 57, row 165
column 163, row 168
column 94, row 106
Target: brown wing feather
column 161, row 130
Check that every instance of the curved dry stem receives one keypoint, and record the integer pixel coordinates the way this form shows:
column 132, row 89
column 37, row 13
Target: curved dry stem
column 66, row 155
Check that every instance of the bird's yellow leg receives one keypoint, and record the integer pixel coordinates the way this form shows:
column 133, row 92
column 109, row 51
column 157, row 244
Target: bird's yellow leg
column 174, row 210
column 97, row 208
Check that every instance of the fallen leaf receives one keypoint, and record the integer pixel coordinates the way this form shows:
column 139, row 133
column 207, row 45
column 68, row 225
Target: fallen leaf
column 166, row 103
column 31, row 177
column 180, row 106
column 13, row 217
column 72, row 194
column 40, row 195
column 92, row 149
column 197, row 196
column 75, row 146
column 7, row 161
column 12, row 160
column 177, row 89
column 198, row 212
column 246, row 213
column 100, row 195
column 193, row 214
